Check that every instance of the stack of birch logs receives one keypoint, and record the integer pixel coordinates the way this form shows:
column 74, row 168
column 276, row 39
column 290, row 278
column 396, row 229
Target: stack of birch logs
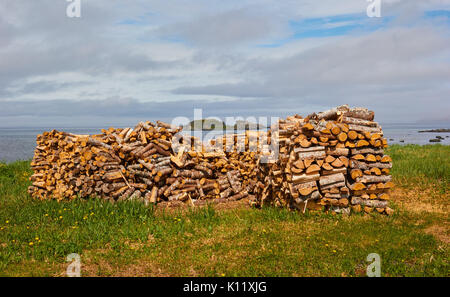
column 332, row 160
column 140, row 164
column 117, row 164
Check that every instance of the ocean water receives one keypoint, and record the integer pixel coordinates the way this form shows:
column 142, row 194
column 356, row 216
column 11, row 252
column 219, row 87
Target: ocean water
column 19, row 143
column 409, row 134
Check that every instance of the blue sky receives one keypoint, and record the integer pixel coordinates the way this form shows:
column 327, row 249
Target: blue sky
column 133, row 59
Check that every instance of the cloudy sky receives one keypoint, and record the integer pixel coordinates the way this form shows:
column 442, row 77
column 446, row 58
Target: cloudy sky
column 129, row 60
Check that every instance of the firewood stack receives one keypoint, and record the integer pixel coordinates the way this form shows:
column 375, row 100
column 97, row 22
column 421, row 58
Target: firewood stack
column 142, row 164
column 333, row 159
column 118, row 164
column 291, row 179
column 242, row 151
column 368, row 175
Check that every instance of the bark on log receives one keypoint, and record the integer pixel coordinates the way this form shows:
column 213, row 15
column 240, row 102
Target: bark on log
column 356, row 121
column 360, row 113
column 374, row 179
column 370, row 203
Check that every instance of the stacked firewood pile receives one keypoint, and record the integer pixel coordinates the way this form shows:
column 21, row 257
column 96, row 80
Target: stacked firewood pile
column 117, row 164
column 141, row 163
column 332, row 160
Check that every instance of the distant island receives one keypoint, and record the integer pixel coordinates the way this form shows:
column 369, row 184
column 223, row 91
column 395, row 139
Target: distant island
column 436, row 131
column 215, row 125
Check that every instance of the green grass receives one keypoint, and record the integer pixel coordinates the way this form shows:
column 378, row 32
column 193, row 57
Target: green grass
column 415, row 164
column 130, row 239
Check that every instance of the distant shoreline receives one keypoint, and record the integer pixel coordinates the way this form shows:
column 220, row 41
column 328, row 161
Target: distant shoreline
column 435, row 131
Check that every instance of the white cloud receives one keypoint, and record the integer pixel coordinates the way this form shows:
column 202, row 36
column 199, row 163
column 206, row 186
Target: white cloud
column 125, row 49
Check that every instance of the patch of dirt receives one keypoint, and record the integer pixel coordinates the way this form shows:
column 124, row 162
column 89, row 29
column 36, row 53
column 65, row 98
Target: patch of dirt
column 420, row 201
column 440, row 232
column 104, row 268
column 176, row 206
column 416, row 200
column 91, row 267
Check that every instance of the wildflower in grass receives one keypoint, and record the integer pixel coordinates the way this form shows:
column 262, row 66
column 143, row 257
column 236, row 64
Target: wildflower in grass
column 46, row 215
column 60, row 217
column 334, row 251
column 36, row 238
column 326, row 244
column 30, row 243
column 223, row 274
column 7, row 221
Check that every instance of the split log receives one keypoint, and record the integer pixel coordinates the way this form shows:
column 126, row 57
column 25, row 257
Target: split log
column 374, row 179
column 370, row 203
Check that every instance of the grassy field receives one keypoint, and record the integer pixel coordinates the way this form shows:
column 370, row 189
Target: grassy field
column 127, row 239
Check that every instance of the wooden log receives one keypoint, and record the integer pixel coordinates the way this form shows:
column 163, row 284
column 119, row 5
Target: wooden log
column 302, row 178
column 310, row 149
column 337, row 163
column 389, row 211
column 365, row 166
column 334, row 171
column 357, row 121
column 386, row 159
column 360, row 128
column 332, row 114
column 360, row 113
column 352, row 135
column 330, row 179
column 338, row 184
column 313, row 169
column 342, row 137
column 371, row 158
column 369, row 150
column 312, row 155
column 370, row 203
column 233, row 182
column 374, row 179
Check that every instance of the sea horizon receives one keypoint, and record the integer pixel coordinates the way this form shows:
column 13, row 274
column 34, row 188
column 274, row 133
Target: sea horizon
column 18, row 143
